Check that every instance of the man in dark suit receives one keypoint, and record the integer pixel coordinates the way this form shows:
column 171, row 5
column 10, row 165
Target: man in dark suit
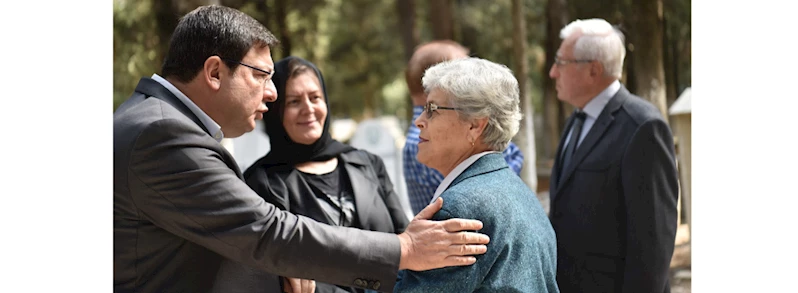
column 613, row 187
column 180, row 205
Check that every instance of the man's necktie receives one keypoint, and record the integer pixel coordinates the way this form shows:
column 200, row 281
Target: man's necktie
column 576, row 132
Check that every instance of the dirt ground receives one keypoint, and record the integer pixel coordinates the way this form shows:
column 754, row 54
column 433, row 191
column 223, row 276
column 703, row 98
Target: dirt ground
column 681, row 263
column 680, row 280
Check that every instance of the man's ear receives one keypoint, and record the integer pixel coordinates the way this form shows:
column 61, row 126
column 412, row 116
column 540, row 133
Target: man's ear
column 596, row 69
column 212, row 71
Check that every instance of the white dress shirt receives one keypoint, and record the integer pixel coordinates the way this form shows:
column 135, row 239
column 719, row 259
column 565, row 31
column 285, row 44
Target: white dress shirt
column 593, row 110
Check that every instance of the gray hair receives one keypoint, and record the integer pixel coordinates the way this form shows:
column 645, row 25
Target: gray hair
column 480, row 89
column 599, row 41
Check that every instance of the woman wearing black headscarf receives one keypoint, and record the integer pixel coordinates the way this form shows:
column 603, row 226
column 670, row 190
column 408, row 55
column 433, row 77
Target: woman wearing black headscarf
column 309, row 173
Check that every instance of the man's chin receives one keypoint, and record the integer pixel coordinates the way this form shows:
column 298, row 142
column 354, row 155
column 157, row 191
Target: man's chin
column 234, row 134
column 250, row 128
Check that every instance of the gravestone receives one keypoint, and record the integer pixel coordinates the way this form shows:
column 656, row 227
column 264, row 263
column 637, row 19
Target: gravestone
column 384, row 138
column 251, row 146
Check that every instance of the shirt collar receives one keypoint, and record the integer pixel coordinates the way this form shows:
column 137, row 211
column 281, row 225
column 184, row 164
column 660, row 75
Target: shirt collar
column 596, row 105
column 213, row 128
column 456, row 172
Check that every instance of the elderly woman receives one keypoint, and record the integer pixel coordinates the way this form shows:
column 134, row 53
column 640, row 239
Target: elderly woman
column 470, row 116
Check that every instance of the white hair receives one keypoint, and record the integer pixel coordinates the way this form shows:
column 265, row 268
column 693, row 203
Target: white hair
column 599, row 41
column 480, row 89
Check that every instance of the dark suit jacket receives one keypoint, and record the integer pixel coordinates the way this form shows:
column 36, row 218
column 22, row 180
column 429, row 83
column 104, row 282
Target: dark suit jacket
column 376, row 204
column 181, row 207
column 614, row 207
column 522, row 253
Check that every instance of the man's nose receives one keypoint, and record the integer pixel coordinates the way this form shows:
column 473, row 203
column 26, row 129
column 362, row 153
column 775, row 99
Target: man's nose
column 270, row 92
column 553, row 71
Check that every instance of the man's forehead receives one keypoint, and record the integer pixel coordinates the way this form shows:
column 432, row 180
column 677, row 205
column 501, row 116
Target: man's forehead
column 260, row 57
column 565, row 47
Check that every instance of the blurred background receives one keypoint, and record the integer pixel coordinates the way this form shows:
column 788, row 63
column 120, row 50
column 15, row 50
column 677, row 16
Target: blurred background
column 362, row 48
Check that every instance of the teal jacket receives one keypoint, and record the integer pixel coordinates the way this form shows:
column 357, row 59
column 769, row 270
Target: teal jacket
column 522, row 253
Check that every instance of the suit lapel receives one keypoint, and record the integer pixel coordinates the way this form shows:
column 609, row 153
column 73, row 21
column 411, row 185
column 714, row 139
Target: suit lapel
column 366, row 190
column 598, row 129
column 556, row 167
column 231, row 162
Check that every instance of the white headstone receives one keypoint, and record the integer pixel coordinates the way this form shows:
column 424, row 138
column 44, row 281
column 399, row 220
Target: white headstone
column 383, row 137
column 251, row 146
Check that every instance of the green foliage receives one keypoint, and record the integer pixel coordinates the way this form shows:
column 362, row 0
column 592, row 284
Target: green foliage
column 135, row 46
column 357, row 43
column 677, row 29
column 487, row 30
column 365, row 54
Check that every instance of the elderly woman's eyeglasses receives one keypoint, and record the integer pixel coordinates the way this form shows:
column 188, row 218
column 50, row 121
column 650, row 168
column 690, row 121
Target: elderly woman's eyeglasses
column 431, row 107
column 563, row 62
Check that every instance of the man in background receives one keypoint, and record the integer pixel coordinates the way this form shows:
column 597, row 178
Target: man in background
column 613, row 188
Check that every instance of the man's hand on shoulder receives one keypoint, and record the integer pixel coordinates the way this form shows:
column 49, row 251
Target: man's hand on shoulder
column 428, row 244
column 293, row 285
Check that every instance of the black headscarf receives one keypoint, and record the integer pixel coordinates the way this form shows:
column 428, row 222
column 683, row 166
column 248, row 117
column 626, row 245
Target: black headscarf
column 285, row 151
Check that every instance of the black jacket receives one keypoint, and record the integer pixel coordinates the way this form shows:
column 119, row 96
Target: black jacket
column 614, row 207
column 377, row 205
column 377, row 209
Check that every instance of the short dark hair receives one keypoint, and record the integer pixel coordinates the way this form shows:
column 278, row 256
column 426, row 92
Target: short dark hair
column 208, row 31
column 425, row 56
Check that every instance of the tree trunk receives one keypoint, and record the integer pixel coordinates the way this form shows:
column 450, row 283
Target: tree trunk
column 406, row 10
column 440, row 13
column 554, row 121
column 282, row 27
column 525, row 139
column 407, row 26
column 647, row 66
column 468, row 35
column 370, row 103
column 265, row 18
column 669, row 63
column 166, row 17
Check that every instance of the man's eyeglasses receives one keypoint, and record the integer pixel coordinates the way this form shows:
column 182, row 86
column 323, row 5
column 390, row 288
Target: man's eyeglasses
column 563, row 62
column 431, row 107
column 268, row 73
